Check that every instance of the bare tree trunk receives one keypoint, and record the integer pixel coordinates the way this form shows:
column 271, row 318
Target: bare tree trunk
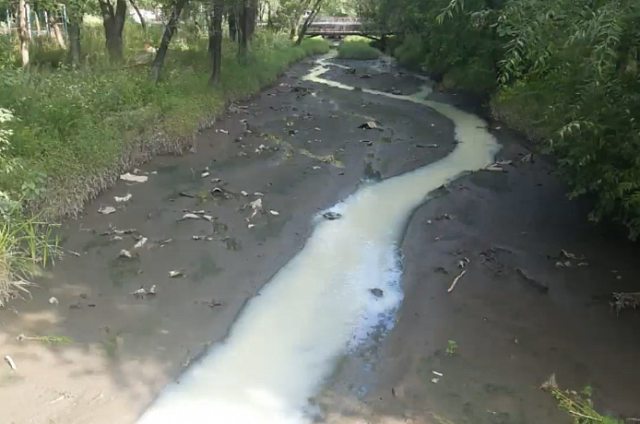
column 38, row 29
column 75, row 54
column 113, row 22
column 242, row 31
column 143, row 23
column 169, row 30
column 309, row 20
column 23, row 34
column 233, row 24
column 217, row 41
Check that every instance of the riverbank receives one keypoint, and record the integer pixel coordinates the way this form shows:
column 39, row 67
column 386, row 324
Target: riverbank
column 300, row 145
column 75, row 132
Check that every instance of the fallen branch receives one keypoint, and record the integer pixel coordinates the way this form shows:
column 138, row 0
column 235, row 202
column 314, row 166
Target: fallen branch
column 455, row 281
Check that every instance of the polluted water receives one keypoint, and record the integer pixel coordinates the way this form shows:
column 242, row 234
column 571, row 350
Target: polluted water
column 320, row 305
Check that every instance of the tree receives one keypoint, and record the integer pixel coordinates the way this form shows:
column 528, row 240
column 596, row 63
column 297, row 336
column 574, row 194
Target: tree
column 113, row 22
column 169, row 31
column 143, row 23
column 23, row 33
column 75, row 12
column 312, row 15
column 216, row 22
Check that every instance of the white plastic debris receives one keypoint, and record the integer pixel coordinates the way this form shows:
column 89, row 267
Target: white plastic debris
column 53, row 301
column 152, row 290
column 244, row 193
column 11, row 362
column 140, row 243
column 439, row 374
column 205, row 174
column 107, row 210
column 251, row 226
column 125, row 254
column 141, row 292
column 189, row 216
column 256, row 205
column 123, row 198
column 134, row 178
column 222, row 131
column 257, row 193
column 174, row 274
column 274, row 213
column 315, row 168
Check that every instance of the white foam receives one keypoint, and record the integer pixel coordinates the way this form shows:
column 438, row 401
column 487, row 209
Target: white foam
column 319, row 305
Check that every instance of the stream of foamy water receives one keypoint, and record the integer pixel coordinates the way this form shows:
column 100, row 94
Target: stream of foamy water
column 319, row 305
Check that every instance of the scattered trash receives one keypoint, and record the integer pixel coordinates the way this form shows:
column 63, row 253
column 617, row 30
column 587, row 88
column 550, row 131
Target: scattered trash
column 177, row 273
column 113, row 230
column 205, row 174
column 53, row 301
column 74, row 253
column 527, row 158
column 140, row 243
column 134, row 178
column 455, row 281
column 376, row 292
column 435, row 380
column 222, row 131
column 251, row 226
column 107, row 210
column 244, row 193
column 142, row 292
column 189, row 216
column 261, row 148
column 444, row 216
column 398, row 391
column 183, row 194
column 315, row 168
column 550, row 384
column 369, row 125
column 257, row 193
column 123, row 199
column 11, row 362
column 437, row 373
column 568, row 255
column 625, row 301
column 256, row 206
column 274, row 213
column 331, row 216
column 532, row 282
column 463, row 263
column 494, row 168
column 367, row 142
column 566, row 264
column 583, row 264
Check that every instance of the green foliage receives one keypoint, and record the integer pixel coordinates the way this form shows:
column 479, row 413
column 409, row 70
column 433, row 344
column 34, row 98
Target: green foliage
column 580, row 407
column 563, row 71
column 359, row 50
column 66, row 134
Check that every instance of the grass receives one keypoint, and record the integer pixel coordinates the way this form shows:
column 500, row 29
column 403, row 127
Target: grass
column 358, row 50
column 577, row 404
column 75, row 131
column 25, row 247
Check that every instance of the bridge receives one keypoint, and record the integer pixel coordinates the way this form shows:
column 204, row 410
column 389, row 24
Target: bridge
column 332, row 26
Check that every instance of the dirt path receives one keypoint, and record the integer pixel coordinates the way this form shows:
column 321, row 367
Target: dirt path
column 511, row 334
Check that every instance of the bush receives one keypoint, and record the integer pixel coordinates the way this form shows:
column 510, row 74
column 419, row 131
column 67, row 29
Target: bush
column 358, row 50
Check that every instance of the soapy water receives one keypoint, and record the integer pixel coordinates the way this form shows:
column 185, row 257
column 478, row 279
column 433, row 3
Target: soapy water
column 322, row 304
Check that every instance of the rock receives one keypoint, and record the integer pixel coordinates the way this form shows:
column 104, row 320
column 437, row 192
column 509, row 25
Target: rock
column 376, row 292
column 331, row 216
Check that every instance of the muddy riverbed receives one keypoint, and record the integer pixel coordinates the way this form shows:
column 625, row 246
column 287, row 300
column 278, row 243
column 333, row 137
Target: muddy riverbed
column 514, row 316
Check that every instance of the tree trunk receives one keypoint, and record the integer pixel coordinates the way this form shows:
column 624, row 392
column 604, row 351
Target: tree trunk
column 143, row 23
column 169, row 30
column 252, row 15
column 217, row 41
column 23, row 34
column 242, row 31
column 308, row 21
column 113, row 22
column 233, row 24
column 75, row 54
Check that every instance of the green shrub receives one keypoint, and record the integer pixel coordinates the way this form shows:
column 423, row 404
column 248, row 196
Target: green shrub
column 411, row 52
column 358, row 50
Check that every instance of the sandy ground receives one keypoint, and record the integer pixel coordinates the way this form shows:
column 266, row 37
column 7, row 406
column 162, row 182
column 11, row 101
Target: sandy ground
column 511, row 334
